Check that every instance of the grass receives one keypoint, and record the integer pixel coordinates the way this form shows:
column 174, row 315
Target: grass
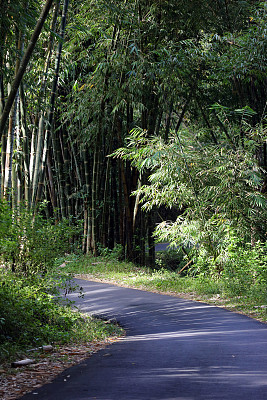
column 223, row 292
column 32, row 314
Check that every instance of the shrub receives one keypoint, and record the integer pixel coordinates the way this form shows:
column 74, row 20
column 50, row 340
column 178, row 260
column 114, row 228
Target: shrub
column 245, row 270
column 32, row 313
column 117, row 253
column 30, row 243
column 170, row 259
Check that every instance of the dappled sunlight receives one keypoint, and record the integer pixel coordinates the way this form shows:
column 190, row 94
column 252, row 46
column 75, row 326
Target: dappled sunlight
column 174, row 349
column 151, row 312
column 183, row 334
column 179, row 347
column 100, row 290
column 219, row 374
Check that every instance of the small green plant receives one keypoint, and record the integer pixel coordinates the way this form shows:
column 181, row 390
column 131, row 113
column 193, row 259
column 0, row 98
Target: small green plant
column 30, row 243
column 245, row 270
column 33, row 313
column 112, row 254
column 216, row 187
column 172, row 260
column 240, row 285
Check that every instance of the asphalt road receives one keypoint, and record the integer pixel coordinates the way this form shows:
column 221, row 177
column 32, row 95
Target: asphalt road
column 175, row 349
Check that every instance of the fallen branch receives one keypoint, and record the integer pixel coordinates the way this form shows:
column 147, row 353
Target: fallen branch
column 187, row 265
column 21, row 363
column 44, row 348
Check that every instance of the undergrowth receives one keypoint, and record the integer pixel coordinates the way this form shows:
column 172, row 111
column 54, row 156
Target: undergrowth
column 34, row 314
column 240, row 286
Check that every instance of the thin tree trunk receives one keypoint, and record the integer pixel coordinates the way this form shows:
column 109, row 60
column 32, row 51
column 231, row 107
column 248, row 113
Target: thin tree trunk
column 151, row 241
column 51, row 186
column 3, row 8
column 76, row 170
column 67, row 172
column 50, row 118
column 2, row 95
column 129, row 220
column 38, row 158
column 85, row 226
column 168, row 123
column 35, row 139
column 9, row 151
column 25, row 145
column 121, row 214
column 87, row 202
column 3, row 163
column 58, row 166
column 106, row 204
column 23, row 65
column 93, row 204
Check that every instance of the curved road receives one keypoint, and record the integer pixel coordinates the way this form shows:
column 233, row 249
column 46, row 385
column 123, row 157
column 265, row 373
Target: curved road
column 175, row 349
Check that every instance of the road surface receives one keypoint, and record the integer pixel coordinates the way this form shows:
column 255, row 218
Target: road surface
column 175, row 349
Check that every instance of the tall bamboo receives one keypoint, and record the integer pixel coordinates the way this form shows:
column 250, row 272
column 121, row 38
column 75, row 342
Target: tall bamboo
column 67, row 171
column 38, row 160
column 23, row 65
column 25, row 144
column 49, row 127
column 87, row 201
column 40, row 112
column 58, row 167
column 93, row 248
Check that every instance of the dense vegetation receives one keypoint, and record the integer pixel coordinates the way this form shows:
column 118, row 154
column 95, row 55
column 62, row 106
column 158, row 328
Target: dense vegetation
column 240, row 288
column 33, row 315
column 34, row 309
column 123, row 123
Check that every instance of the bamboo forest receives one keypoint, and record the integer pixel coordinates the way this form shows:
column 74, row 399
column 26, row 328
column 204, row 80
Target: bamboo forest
column 130, row 123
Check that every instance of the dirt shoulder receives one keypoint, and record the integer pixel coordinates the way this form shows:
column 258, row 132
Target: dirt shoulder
column 16, row 382
column 216, row 300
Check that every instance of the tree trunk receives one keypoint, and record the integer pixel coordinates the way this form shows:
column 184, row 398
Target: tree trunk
column 50, row 118
column 23, row 65
column 25, row 145
column 93, row 248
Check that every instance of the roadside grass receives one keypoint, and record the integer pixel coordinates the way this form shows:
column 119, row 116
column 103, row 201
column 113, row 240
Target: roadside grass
column 249, row 299
column 33, row 314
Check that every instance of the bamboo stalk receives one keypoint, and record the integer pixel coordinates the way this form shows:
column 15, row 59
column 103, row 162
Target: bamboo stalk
column 104, row 223
column 93, row 204
column 66, row 171
column 50, row 118
column 35, row 138
column 58, row 172
column 50, row 180
column 9, row 152
column 87, row 201
column 25, row 145
column 23, row 65
column 37, row 165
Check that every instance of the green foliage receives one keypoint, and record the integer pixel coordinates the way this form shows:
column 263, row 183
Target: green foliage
column 32, row 243
column 153, row 65
column 242, row 270
column 216, row 188
column 117, row 253
column 245, row 270
column 32, row 314
column 173, row 260
column 231, row 288
column 161, row 64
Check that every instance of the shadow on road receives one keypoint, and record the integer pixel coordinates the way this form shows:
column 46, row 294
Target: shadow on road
column 174, row 349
